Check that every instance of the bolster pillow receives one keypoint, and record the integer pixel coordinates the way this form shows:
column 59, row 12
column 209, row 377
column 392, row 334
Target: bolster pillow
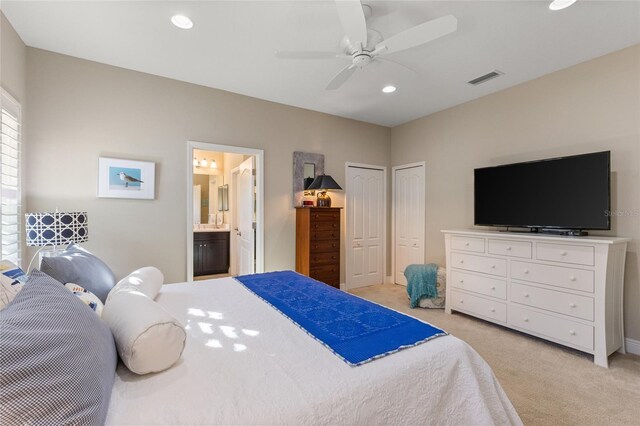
column 147, row 337
column 147, row 280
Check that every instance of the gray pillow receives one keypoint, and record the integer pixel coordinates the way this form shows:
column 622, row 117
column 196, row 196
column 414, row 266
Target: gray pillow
column 57, row 358
column 76, row 265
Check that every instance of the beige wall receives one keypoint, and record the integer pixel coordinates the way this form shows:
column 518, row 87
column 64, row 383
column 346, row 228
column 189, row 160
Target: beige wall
column 81, row 110
column 593, row 106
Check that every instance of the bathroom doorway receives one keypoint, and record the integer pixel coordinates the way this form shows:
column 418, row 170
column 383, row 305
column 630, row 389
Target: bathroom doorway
column 225, row 216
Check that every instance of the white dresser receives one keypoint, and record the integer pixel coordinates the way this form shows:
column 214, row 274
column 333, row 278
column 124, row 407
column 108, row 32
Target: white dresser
column 568, row 290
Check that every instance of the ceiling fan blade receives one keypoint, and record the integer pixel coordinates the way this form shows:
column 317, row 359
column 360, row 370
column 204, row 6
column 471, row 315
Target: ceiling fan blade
column 397, row 63
column 339, row 79
column 419, row 34
column 295, row 54
column 353, row 21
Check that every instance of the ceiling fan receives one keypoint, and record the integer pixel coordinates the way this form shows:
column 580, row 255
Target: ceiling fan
column 362, row 45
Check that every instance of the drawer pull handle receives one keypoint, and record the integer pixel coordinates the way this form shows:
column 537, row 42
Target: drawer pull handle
column 492, row 309
column 526, row 271
column 466, row 244
column 509, row 248
column 415, row 244
column 571, row 332
column 462, row 261
column 573, row 305
column 493, row 287
column 461, row 300
column 564, row 253
column 526, row 295
column 525, row 319
column 461, row 281
column 572, row 278
column 493, row 266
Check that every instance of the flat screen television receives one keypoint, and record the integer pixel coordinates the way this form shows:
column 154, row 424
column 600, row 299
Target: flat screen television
column 567, row 193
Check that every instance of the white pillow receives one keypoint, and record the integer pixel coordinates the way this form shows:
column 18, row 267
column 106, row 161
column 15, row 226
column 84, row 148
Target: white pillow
column 12, row 279
column 147, row 337
column 89, row 299
column 147, row 280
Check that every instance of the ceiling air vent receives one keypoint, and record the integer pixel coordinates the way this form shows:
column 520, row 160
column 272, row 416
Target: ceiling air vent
column 486, row 77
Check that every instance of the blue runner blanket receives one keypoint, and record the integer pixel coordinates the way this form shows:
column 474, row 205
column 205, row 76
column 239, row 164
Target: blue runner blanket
column 354, row 329
column 421, row 282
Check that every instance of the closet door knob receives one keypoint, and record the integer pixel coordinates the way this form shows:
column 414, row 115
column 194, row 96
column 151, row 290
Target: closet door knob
column 564, row 253
column 493, row 287
column 462, row 261
column 525, row 319
column 492, row 309
column 573, row 305
column 493, row 266
column 526, row 271
column 526, row 295
column 461, row 281
column 466, row 244
column 509, row 248
column 571, row 332
column 572, row 278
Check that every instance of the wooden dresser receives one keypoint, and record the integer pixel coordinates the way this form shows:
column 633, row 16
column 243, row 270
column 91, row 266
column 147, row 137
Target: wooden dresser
column 318, row 243
column 565, row 289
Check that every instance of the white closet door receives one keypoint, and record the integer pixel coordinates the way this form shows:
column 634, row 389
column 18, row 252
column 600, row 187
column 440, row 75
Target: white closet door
column 409, row 222
column 365, row 212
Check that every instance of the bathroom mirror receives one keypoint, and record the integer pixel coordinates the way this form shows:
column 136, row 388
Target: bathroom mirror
column 306, row 166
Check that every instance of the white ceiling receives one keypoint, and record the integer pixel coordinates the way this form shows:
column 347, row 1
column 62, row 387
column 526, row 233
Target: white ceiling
column 232, row 46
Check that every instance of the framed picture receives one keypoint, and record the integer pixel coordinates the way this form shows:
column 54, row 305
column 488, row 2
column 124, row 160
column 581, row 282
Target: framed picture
column 126, row 179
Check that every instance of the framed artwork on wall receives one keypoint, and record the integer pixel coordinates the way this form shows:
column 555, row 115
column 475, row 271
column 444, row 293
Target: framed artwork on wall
column 118, row 178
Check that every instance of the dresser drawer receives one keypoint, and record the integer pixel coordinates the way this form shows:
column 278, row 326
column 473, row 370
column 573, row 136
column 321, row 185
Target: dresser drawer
column 567, row 331
column 467, row 243
column 331, row 278
column 510, row 248
column 579, row 255
column 317, row 235
column 576, row 279
column 478, row 306
column 324, row 269
column 487, row 265
column 325, row 225
column 563, row 303
column 323, row 258
column 329, row 215
column 324, row 245
column 478, row 284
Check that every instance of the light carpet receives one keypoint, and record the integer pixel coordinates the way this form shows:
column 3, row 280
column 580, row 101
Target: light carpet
column 548, row 384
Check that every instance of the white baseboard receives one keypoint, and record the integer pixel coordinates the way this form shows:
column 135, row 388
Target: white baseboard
column 632, row 346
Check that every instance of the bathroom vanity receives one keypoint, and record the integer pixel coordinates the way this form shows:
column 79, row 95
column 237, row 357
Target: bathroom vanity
column 210, row 252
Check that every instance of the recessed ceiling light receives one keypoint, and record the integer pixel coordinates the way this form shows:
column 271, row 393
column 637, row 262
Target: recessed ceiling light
column 389, row 89
column 560, row 4
column 182, row 21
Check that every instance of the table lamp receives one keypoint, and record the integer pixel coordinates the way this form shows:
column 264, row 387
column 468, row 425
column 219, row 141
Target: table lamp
column 323, row 183
column 53, row 230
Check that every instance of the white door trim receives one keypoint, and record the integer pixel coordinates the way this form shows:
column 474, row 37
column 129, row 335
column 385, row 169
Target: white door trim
column 348, row 221
column 259, row 154
column 393, row 211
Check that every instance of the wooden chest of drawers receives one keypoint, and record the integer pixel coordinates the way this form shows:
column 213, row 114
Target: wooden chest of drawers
column 565, row 289
column 318, row 243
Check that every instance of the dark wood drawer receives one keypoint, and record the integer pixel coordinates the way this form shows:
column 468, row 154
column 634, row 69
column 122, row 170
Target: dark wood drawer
column 324, row 246
column 329, row 215
column 325, row 235
column 209, row 236
column 331, row 278
column 325, row 226
column 325, row 269
column 330, row 258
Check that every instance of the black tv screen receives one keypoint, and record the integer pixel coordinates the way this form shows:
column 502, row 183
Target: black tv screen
column 566, row 193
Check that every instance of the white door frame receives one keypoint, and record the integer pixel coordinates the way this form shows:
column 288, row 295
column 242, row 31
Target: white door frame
column 348, row 224
column 393, row 212
column 259, row 155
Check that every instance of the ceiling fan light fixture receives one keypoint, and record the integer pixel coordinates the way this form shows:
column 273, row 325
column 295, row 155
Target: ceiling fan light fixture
column 388, row 89
column 182, row 22
column 560, row 4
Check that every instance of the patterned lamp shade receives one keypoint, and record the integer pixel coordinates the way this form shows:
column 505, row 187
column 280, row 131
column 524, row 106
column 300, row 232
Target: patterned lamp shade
column 55, row 229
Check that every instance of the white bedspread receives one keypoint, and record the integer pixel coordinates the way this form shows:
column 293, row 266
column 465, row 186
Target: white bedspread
column 244, row 363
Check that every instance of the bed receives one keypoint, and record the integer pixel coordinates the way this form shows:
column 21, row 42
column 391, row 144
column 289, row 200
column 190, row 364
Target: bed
column 246, row 363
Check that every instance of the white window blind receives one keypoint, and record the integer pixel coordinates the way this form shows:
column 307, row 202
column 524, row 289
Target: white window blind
column 10, row 209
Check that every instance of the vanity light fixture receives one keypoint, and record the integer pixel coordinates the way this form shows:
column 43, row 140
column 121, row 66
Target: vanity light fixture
column 182, row 22
column 195, row 162
column 203, row 162
column 560, row 4
column 213, row 165
column 389, row 89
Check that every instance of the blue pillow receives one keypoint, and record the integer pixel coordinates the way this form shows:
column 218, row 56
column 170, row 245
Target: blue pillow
column 57, row 358
column 77, row 265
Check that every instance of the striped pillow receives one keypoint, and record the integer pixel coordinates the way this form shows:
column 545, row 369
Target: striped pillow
column 57, row 358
